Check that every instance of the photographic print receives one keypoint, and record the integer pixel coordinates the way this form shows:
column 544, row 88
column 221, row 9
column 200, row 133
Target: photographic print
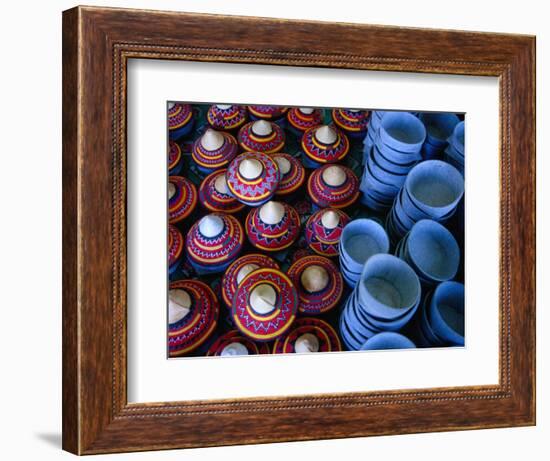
column 313, row 229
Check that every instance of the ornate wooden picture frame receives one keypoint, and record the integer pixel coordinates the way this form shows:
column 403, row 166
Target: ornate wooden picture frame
column 97, row 44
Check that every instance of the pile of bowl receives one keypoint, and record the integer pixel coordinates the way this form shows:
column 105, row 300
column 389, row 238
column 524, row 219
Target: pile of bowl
column 395, row 151
column 431, row 250
column 360, row 239
column 454, row 153
column 439, row 127
column 374, row 125
column 440, row 321
column 386, row 298
column 432, row 190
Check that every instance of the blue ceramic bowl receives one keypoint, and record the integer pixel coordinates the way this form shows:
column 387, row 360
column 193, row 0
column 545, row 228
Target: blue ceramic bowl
column 362, row 320
column 401, row 212
column 457, row 138
column 181, row 132
column 351, row 342
column 395, row 155
column 350, row 276
column 388, row 340
column 361, row 329
column 382, row 188
column 439, row 126
column 426, row 328
column 385, row 176
column 451, row 150
column 388, row 287
column 205, row 270
column 379, row 196
column 394, row 233
column 309, row 163
column 435, row 187
column 374, row 204
column 394, row 325
column 385, row 163
column 402, row 131
column 397, row 223
column 447, row 312
column 433, row 250
column 361, row 239
column 430, row 152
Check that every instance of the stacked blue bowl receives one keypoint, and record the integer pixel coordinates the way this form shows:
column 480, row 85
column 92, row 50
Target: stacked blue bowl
column 454, row 153
column 387, row 340
column 439, row 127
column 440, row 320
column 432, row 190
column 360, row 239
column 431, row 250
column 395, row 151
column 385, row 299
column 372, row 131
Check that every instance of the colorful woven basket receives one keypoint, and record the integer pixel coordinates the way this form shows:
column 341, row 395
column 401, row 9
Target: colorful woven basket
column 174, row 158
column 230, row 280
column 322, row 237
column 326, row 338
column 293, row 174
column 182, row 198
column 301, row 121
column 210, row 160
column 273, row 237
column 256, row 190
column 175, row 248
column 267, row 112
column 352, row 122
column 318, row 151
column 215, row 253
column 318, row 299
column 265, row 303
column 259, row 137
column 188, row 333
column 180, row 120
column 325, row 195
column 215, row 196
column 225, row 345
column 226, row 117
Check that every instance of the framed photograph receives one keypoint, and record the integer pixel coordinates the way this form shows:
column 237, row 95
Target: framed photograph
column 290, row 230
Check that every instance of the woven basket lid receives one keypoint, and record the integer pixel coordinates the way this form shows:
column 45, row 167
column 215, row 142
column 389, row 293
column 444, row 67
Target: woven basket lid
column 252, row 178
column 214, row 194
column 303, row 118
column 179, row 115
column 239, row 269
column 350, row 120
column 200, row 319
column 262, row 136
column 175, row 245
column 235, row 343
column 182, row 198
column 226, row 117
column 293, row 174
column 174, row 155
column 318, row 282
column 214, row 149
column 267, row 112
column 324, row 229
column 214, row 240
column 265, row 304
column 333, row 185
column 325, row 144
column 273, row 237
column 308, row 334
